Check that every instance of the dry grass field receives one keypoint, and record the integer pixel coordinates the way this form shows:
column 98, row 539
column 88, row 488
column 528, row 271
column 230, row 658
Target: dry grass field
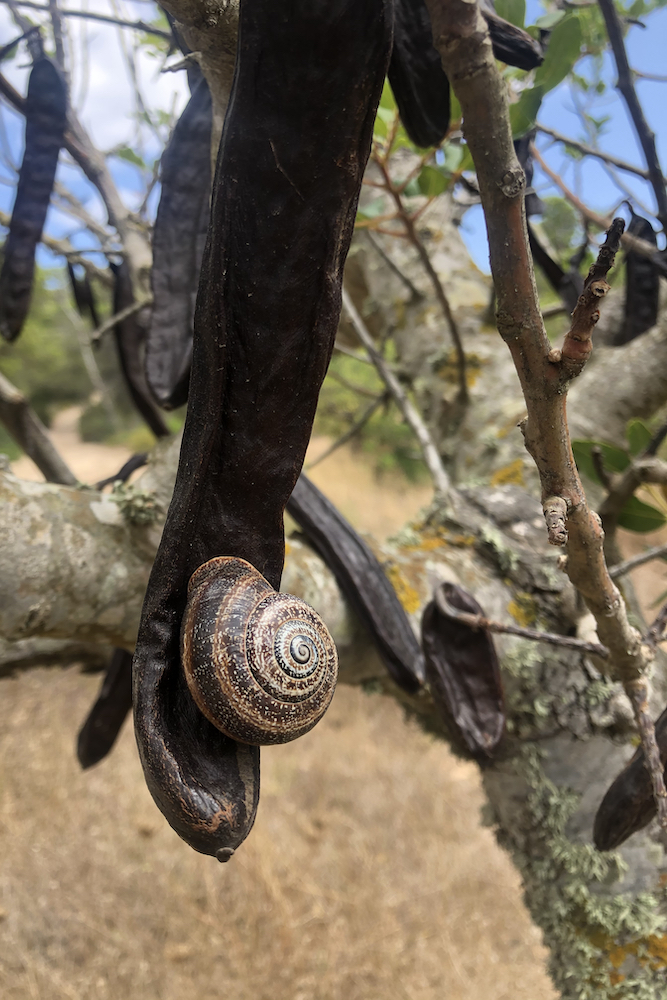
column 368, row 875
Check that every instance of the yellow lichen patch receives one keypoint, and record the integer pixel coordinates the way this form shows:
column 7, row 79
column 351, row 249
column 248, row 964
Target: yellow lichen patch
column 510, row 425
column 288, row 548
column 509, row 475
column 435, row 538
column 523, row 609
column 406, row 593
column 656, row 946
column 615, row 978
column 448, row 370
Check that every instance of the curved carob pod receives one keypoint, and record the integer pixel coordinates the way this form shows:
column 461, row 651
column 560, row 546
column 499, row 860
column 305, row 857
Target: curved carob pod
column 130, row 336
column 295, row 144
column 46, row 120
column 362, row 580
column 463, row 673
column 534, row 204
column 99, row 731
column 628, row 805
column 178, row 246
column 642, row 286
column 417, row 78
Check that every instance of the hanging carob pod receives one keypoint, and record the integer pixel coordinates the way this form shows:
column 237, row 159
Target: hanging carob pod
column 178, row 246
column 98, row 733
column 46, row 120
column 83, row 294
column 463, row 672
column 362, row 580
column 130, row 335
column 628, row 804
column 568, row 284
column 534, row 204
column 642, row 286
column 417, row 78
column 295, row 144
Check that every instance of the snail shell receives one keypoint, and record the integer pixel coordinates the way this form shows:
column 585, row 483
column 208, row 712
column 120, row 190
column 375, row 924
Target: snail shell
column 261, row 666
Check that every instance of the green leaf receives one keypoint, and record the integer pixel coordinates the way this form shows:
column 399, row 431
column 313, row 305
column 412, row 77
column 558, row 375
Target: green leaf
column 432, row 181
column 524, row 112
column 372, row 210
column 513, row 11
column 453, row 157
column 562, row 53
column 125, row 153
column 550, row 20
column 615, row 459
column 387, row 100
column 640, row 516
column 638, row 436
column 454, row 107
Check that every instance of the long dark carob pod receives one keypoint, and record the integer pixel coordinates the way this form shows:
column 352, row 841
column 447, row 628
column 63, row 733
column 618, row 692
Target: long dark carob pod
column 84, row 297
column 628, row 804
column 46, row 120
column 114, row 701
column 417, row 78
column 178, row 245
column 463, row 672
column 642, row 286
column 130, row 335
column 568, row 284
column 295, row 144
column 362, row 580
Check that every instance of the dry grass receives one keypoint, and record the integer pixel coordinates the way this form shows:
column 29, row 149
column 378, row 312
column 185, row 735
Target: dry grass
column 367, row 874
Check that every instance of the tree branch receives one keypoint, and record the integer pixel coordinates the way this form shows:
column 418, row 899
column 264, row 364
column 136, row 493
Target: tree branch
column 622, row 568
column 413, row 419
column 590, row 151
column 627, row 89
column 462, row 39
column 88, row 16
column 111, row 321
column 30, row 434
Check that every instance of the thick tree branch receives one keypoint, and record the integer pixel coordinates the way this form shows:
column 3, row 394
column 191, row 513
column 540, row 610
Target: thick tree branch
column 462, row 39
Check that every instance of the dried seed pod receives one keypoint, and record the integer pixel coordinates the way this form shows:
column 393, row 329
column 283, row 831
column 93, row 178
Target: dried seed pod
column 261, row 666
column 568, row 284
column 178, row 246
column 99, row 731
column 417, row 78
column 46, row 120
column 130, row 336
column 84, row 297
column 362, row 580
column 628, row 805
column 463, row 672
column 295, row 144
column 642, row 286
column 534, row 204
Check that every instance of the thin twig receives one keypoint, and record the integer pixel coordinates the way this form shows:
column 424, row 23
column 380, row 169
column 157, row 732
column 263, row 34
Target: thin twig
column 356, row 427
column 62, row 248
column 603, row 222
column 118, row 317
column 31, row 435
column 590, row 151
column 656, row 77
column 622, row 568
column 412, row 417
column 627, row 89
column 408, row 224
column 57, row 25
column 415, row 294
column 479, row 621
column 88, row 16
column 359, row 389
column 656, row 631
column 348, row 352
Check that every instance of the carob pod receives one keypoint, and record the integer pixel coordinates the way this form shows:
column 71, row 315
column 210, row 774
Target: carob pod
column 534, row 204
column 46, row 120
column 362, row 580
column 417, row 78
column 568, row 284
column 178, row 246
column 628, row 805
column 642, row 286
column 99, row 731
column 463, row 673
column 84, row 298
column 130, row 335
column 295, row 144
column 133, row 463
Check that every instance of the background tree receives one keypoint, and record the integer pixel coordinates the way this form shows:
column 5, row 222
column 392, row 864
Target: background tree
column 568, row 727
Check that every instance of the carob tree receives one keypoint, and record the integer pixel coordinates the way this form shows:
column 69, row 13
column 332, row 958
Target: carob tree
column 207, row 783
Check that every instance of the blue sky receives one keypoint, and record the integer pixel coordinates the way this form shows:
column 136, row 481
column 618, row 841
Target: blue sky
column 102, row 94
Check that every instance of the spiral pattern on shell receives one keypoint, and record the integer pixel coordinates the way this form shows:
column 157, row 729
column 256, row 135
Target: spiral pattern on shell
column 261, row 666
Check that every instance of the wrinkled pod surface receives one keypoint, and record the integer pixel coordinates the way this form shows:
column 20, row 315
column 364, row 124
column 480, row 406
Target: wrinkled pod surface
column 261, row 666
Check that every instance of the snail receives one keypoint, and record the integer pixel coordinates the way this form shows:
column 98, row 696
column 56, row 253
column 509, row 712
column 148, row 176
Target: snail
column 260, row 665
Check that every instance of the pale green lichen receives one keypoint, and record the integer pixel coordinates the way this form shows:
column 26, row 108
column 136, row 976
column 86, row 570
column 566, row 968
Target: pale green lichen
column 602, row 948
column 136, row 505
column 507, row 559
